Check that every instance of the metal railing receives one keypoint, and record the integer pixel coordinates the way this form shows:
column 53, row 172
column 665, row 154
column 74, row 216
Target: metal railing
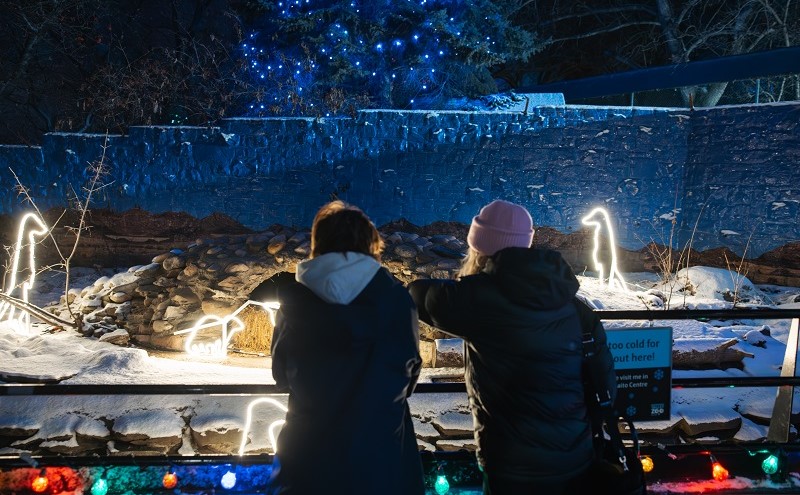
column 759, row 77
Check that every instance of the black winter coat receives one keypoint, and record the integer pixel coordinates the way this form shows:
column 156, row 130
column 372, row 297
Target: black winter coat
column 521, row 325
column 348, row 369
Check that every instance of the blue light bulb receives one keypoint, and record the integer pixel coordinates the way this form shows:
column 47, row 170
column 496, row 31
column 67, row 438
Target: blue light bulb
column 770, row 465
column 99, row 487
column 441, row 486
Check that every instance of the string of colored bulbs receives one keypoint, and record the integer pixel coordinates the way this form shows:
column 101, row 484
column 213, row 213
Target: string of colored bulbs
column 55, row 480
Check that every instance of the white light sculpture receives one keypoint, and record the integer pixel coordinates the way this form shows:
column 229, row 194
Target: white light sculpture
column 21, row 319
column 599, row 218
column 271, row 431
column 229, row 325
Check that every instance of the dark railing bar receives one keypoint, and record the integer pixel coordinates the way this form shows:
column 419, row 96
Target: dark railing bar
column 134, row 460
column 714, row 382
column 264, row 458
column 696, row 314
column 9, row 389
column 784, row 60
column 14, row 389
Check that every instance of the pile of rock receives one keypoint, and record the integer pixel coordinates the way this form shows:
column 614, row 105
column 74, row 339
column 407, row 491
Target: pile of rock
column 151, row 304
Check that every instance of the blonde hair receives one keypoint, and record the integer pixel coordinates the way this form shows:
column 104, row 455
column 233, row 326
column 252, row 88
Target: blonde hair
column 473, row 263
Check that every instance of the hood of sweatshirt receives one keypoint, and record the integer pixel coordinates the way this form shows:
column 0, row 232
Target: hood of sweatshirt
column 337, row 277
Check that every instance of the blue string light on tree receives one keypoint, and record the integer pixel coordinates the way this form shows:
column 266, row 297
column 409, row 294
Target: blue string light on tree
column 344, row 55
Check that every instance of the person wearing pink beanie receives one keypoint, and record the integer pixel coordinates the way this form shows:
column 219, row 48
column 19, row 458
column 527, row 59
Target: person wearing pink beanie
column 515, row 306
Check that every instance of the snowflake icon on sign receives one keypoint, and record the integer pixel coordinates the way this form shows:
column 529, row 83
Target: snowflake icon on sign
column 630, row 411
column 658, row 374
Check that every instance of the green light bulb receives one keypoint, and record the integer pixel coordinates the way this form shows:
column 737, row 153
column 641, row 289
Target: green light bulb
column 770, row 465
column 100, row 487
column 441, row 486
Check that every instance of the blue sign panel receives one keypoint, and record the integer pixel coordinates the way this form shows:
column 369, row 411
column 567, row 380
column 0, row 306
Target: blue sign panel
column 643, row 362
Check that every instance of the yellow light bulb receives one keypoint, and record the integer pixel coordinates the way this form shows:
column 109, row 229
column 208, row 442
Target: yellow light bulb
column 647, row 463
column 718, row 472
column 40, row 483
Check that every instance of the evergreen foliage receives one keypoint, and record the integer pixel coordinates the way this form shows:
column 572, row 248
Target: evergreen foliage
column 322, row 57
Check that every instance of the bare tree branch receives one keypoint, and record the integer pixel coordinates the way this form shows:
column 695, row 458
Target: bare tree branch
column 38, row 312
column 597, row 32
column 599, row 11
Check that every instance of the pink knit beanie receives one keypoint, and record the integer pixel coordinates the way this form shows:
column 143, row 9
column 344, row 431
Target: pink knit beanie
column 499, row 225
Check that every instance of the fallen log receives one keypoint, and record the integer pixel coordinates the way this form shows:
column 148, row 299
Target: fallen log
column 692, row 354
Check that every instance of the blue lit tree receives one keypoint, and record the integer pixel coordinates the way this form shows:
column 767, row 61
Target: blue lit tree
column 318, row 57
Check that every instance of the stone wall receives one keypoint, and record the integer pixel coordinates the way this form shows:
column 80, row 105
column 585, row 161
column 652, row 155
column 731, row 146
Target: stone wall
column 725, row 174
column 745, row 171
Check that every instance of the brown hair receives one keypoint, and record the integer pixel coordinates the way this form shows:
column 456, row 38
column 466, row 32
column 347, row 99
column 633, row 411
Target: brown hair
column 339, row 227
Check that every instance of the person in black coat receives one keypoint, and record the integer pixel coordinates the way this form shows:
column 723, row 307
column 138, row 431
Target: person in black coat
column 516, row 309
column 346, row 349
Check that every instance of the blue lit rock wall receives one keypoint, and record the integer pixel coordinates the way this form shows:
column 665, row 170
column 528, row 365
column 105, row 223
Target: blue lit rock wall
column 744, row 185
column 732, row 168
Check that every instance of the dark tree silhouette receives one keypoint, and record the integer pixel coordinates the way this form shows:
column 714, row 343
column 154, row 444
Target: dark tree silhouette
column 94, row 65
column 586, row 38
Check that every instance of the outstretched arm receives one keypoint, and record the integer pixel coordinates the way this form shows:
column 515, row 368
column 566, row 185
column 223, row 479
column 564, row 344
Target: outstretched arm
column 268, row 289
column 443, row 304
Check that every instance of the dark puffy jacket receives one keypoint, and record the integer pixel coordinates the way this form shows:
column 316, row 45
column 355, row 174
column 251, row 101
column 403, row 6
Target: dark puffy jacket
column 521, row 325
column 349, row 369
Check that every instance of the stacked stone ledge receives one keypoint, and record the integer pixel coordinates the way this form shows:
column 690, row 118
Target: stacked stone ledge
column 147, row 304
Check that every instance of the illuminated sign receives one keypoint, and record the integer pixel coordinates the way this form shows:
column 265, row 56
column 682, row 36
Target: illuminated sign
column 272, row 427
column 643, row 364
column 20, row 319
column 599, row 218
column 229, row 325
